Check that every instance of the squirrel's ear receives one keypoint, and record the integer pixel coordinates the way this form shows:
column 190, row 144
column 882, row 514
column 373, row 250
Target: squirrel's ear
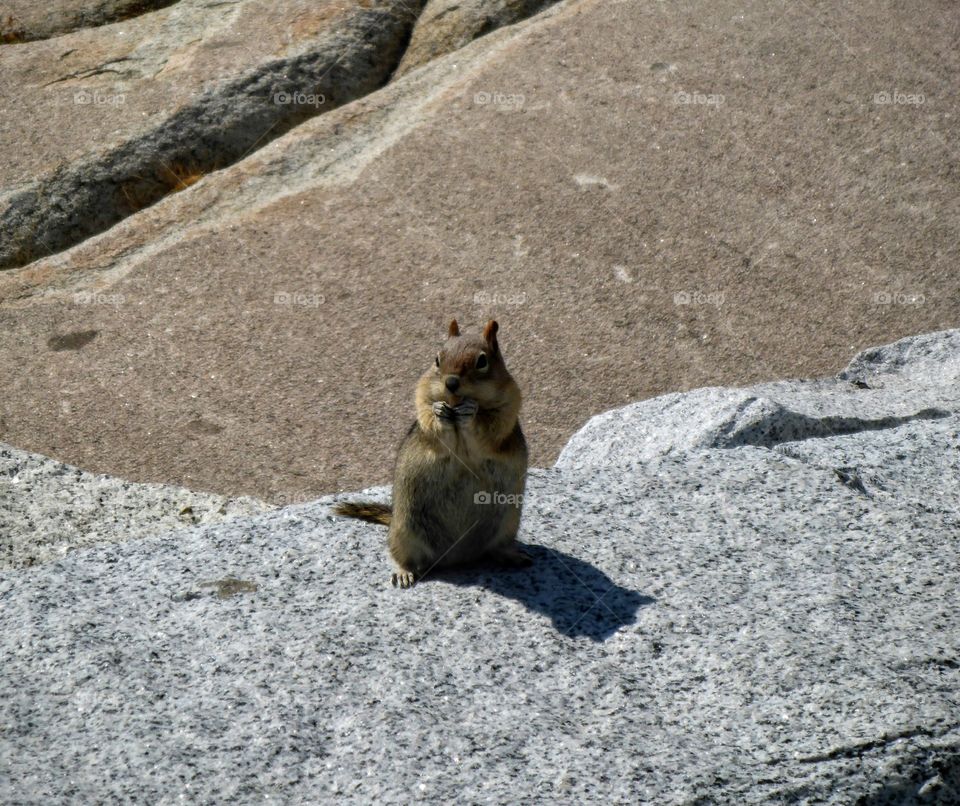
column 490, row 333
column 454, row 329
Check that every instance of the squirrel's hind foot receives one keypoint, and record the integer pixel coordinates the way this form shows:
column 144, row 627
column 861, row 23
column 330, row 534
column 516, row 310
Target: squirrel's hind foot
column 511, row 556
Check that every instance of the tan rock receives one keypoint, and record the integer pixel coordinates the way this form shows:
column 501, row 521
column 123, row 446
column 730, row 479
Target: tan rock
column 447, row 25
column 649, row 199
column 108, row 120
column 25, row 20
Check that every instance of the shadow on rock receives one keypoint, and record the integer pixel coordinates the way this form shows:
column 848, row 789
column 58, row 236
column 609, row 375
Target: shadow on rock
column 579, row 599
column 932, row 781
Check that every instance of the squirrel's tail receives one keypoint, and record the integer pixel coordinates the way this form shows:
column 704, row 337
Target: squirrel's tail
column 365, row 511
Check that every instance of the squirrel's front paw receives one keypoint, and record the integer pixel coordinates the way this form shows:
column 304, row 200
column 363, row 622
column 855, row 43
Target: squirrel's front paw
column 442, row 411
column 466, row 409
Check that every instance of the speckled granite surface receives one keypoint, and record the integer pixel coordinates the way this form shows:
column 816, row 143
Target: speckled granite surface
column 742, row 624
column 48, row 508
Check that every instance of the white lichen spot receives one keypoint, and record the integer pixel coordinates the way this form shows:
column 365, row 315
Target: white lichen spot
column 588, row 180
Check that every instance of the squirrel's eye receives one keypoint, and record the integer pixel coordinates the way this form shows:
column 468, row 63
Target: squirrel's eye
column 438, row 359
column 482, row 361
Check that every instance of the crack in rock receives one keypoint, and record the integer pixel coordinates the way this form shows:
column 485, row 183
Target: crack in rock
column 447, row 25
column 218, row 129
column 855, row 750
column 42, row 21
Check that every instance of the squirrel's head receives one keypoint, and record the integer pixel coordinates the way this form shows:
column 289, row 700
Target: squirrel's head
column 470, row 366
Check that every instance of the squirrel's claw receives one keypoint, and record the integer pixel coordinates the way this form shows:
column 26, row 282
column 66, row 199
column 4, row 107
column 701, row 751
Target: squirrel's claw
column 403, row 579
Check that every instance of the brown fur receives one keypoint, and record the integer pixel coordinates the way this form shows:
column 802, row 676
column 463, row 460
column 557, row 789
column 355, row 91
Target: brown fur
column 460, row 473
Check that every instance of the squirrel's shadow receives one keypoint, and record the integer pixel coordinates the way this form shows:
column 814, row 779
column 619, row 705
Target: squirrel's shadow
column 579, row 599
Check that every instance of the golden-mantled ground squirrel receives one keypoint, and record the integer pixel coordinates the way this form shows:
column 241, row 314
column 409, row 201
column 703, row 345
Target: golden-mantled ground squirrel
column 459, row 479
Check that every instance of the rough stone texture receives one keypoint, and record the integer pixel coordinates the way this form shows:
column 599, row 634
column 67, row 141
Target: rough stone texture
column 882, row 388
column 25, row 20
column 447, row 25
column 119, row 116
column 48, row 508
column 714, row 625
column 629, row 243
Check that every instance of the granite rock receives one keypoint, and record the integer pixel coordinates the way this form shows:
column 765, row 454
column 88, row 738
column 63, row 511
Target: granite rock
column 715, row 624
column 48, row 508
column 917, row 378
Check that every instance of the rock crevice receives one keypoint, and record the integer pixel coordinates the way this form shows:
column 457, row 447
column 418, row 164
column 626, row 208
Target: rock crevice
column 223, row 125
column 28, row 20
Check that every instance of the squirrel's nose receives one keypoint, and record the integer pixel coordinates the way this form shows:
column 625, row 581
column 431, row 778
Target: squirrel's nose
column 452, row 383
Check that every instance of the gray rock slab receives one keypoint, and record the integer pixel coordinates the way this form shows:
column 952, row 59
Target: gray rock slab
column 882, row 388
column 712, row 625
column 48, row 508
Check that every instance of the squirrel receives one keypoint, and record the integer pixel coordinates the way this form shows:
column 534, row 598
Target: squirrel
column 461, row 468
